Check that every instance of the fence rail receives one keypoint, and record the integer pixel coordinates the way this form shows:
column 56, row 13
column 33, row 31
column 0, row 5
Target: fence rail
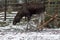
column 9, row 16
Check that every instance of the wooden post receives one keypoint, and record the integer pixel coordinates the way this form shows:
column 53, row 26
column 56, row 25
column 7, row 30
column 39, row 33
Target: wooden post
column 5, row 10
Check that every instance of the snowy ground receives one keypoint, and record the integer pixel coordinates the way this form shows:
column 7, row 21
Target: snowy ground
column 18, row 32
column 7, row 33
column 28, row 36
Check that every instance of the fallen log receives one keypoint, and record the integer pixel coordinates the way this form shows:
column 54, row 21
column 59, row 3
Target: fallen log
column 40, row 27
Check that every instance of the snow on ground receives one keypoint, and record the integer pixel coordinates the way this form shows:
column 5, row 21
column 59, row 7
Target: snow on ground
column 43, row 35
column 18, row 32
column 8, row 33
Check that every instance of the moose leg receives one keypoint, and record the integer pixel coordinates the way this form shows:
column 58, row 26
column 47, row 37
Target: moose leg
column 40, row 22
column 28, row 19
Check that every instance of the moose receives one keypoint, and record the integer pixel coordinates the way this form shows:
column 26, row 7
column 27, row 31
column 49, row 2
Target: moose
column 28, row 9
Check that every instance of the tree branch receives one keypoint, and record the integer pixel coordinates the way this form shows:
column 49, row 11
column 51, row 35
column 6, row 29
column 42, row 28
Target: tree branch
column 40, row 27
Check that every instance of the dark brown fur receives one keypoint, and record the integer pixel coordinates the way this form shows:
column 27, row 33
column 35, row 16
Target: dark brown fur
column 28, row 10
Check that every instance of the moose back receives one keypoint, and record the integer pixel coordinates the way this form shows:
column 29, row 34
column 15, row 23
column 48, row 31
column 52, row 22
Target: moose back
column 28, row 9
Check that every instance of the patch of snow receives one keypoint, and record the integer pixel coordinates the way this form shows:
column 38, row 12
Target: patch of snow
column 1, row 20
column 13, row 32
column 17, row 32
column 11, row 12
column 28, row 36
